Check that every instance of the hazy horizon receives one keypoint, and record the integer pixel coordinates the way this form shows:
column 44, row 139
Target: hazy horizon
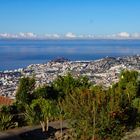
column 16, row 54
column 35, row 31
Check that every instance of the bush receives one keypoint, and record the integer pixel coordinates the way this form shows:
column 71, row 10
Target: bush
column 6, row 121
column 104, row 114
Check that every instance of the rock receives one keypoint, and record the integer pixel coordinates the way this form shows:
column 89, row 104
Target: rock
column 66, row 137
column 58, row 135
column 63, row 136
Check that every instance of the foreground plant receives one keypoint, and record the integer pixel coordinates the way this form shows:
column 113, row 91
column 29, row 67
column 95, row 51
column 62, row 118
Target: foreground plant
column 104, row 114
column 6, row 121
column 40, row 111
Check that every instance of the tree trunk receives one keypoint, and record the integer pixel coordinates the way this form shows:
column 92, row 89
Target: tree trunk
column 43, row 126
column 94, row 121
column 47, row 124
column 61, row 126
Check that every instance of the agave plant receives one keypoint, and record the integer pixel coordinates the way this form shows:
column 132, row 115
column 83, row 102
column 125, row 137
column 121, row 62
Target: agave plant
column 6, row 121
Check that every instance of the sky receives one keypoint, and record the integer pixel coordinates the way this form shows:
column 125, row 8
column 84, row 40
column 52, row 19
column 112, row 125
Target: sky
column 69, row 18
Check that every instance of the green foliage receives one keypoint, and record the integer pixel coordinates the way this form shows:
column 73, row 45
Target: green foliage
column 128, row 76
column 25, row 90
column 98, row 114
column 16, row 110
column 92, row 111
column 67, row 84
column 46, row 92
column 93, row 114
column 128, row 84
column 42, row 111
column 30, row 115
column 79, row 108
column 44, row 108
column 6, row 121
column 136, row 103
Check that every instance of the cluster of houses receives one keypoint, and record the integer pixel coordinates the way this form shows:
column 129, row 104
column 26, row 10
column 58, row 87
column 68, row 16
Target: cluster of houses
column 104, row 72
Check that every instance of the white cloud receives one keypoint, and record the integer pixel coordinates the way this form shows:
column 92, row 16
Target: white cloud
column 123, row 35
column 89, row 36
column 7, row 35
column 56, row 36
column 135, row 35
column 27, row 35
column 70, row 35
column 52, row 36
column 19, row 35
column 4, row 35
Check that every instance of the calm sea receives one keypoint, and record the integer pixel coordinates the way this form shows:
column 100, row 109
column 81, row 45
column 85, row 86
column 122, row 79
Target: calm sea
column 20, row 53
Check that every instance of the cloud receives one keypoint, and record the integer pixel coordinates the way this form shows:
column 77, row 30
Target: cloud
column 123, row 35
column 27, row 35
column 52, row 36
column 69, row 35
column 7, row 35
column 135, row 35
column 21, row 35
column 56, row 36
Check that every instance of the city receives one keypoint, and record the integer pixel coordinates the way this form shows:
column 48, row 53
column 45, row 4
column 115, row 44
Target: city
column 103, row 72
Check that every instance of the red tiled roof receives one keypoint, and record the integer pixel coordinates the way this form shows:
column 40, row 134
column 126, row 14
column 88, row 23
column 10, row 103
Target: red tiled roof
column 5, row 100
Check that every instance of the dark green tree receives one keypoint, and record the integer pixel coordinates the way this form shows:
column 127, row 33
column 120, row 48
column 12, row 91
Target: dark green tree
column 25, row 90
column 67, row 84
column 46, row 92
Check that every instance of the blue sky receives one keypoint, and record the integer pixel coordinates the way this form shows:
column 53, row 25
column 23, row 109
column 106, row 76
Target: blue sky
column 62, row 16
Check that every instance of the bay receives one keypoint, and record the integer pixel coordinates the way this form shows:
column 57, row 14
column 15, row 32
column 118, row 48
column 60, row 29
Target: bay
column 16, row 54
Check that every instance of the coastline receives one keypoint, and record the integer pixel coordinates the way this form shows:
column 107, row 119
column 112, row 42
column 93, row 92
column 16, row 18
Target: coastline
column 21, row 53
column 104, row 72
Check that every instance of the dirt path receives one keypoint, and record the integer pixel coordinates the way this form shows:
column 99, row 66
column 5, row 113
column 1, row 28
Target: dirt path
column 32, row 133
column 35, row 133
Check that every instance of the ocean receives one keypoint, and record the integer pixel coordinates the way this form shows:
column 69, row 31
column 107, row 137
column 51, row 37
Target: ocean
column 16, row 54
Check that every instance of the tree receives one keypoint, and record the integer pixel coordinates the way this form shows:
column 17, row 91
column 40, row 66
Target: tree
column 46, row 92
column 128, row 83
column 80, row 109
column 61, row 114
column 136, row 105
column 96, row 113
column 67, row 84
column 25, row 90
column 42, row 111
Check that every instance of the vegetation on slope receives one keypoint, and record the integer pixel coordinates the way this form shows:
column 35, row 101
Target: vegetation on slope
column 92, row 111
